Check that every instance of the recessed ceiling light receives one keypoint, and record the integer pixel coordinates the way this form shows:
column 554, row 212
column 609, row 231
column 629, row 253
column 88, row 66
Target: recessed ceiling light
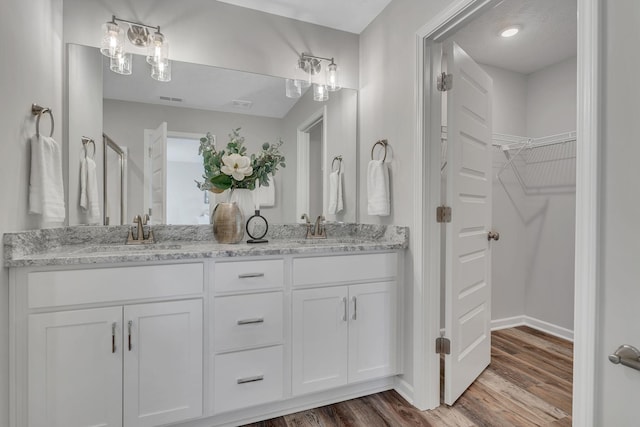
column 510, row 31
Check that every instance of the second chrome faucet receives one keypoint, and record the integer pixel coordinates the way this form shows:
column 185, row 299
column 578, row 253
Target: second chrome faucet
column 317, row 230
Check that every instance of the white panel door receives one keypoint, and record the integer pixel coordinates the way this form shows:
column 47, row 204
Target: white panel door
column 163, row 373
column 158, row 162
column 320, row 333
column 372, row 331
column 468, row 260
column 75, row 368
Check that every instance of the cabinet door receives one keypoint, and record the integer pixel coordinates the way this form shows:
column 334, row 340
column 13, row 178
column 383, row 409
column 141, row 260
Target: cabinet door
column 75, row 368
column 319, row 339
column 372, row 331
column 163, row 374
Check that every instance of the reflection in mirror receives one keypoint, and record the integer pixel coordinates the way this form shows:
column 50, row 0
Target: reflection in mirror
column 115, row 182
column 201, row 99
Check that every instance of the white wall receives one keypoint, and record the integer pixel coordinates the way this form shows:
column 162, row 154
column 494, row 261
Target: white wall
column 84, row 112
column 617, row 387
column 31, row 71
column 508, row 257
column 214, row 33
column 125, row 122
column 387, row 109
column 551, row 109
column 185, row 202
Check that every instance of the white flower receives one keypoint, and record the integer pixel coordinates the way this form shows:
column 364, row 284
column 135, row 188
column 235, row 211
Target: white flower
column 237, row 166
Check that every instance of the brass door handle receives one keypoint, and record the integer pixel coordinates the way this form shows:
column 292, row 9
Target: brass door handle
column 493, row 235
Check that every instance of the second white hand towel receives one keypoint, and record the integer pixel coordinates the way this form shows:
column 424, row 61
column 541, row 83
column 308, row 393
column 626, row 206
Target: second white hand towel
column 89, row 201
column 336, row 203
column 378, row 188
column 46, row 189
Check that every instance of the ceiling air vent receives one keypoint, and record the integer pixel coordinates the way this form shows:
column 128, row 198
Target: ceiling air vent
column 168, row 98
column 242, row 104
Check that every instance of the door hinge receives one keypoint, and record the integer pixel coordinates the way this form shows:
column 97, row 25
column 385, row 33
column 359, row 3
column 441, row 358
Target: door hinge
column 445, row 82
column 443, row 345
column 443, row 214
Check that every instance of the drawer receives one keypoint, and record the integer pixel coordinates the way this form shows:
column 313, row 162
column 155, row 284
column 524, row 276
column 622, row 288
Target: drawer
column 244, row 321
column 248, row 275
column 344, row 268
column 99, row 285
column 248, row 378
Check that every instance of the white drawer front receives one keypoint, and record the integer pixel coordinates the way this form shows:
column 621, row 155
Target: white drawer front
column 96, row 285
column 243, row 321
column 249, row 275
column 344, row 268
column 248, row 378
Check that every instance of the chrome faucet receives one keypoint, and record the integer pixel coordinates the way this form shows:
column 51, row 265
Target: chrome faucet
column 317, row 230
column 320, row 232
column 140, row 238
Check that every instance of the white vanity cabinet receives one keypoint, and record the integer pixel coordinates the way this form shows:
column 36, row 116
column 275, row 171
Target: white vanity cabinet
column 114, row 363
column 248, row 333
column 343, row 333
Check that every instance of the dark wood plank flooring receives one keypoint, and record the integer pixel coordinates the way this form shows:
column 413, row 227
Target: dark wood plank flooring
column 527, row 384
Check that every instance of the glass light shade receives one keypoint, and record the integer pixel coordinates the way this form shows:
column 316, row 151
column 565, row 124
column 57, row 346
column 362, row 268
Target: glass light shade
column 320, row 92
column 122, row 64
column 161, row 71
column 332, row 78
column 112, row 40
column 158, row 50
column 303, row 78
column 293, row 89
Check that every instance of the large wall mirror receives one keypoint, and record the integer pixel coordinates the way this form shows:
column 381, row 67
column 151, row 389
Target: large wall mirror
column 134, row 110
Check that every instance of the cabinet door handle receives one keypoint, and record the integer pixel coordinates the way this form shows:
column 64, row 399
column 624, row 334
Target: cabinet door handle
column 249, row 275
column 113, row 337
column 250, row 379
column 251, row 321
column 355, row 309
column 130, row 325
column 344, row 302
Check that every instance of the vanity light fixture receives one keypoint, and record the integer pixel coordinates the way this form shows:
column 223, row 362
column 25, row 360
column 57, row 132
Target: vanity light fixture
column 113, row 46
column 310, row 66
column 510, row 31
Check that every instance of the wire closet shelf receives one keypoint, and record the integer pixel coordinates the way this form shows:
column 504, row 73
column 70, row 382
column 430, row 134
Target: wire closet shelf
column 544, row 165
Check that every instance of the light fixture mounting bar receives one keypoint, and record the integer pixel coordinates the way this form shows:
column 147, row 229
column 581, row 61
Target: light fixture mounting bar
column 114, row 19
column 305, row 56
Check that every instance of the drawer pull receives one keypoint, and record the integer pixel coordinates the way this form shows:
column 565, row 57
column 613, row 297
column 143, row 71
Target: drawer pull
column 113, row 337
column 251, row 321
column 250, row 275
column 251, row 379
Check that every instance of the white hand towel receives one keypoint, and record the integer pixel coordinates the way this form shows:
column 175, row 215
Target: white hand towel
column 89, row 198
column 46, row 189
column 267, row 195
column 335, row 192
column 378, row 188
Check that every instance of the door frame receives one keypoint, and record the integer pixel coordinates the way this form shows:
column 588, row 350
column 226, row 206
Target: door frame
column 426, row 251
column 302, row 174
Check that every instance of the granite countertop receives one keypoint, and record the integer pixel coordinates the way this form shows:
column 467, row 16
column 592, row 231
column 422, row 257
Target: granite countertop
column 93, row 244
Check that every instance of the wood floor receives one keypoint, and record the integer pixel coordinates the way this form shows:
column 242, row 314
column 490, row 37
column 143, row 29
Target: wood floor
column 527, row 384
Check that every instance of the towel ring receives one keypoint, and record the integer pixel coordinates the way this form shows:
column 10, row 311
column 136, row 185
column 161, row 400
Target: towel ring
column 85, row 142
column 384, row 144
column 339, row 159
column 37, row 110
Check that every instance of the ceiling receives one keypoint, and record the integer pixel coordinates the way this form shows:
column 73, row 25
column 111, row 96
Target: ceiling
column 201, row 87
column 346, row 15
column 548, row 34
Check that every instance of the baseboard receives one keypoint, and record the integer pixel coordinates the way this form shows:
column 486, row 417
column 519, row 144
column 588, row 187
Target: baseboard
column 404, row 389
column 532, row 322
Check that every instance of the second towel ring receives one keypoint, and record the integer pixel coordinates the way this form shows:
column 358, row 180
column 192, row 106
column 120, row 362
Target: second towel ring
column 339, row 160
column 38, row 110
column 85, row 144
column 384, row 144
